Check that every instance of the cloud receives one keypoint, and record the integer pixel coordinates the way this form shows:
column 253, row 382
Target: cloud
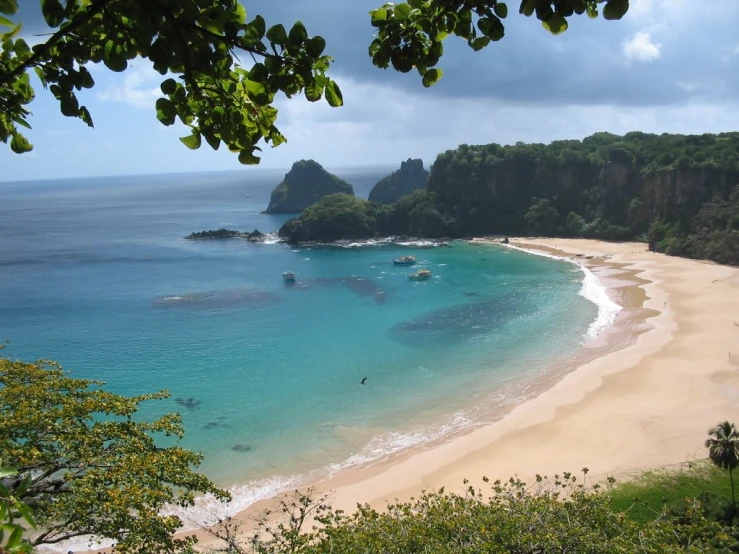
column 139, row 88
column 641, row 48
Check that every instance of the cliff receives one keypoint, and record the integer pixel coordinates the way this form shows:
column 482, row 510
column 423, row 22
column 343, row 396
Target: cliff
column 305, row 184
column 667, row 189
column 411, row 176
column 679, row 193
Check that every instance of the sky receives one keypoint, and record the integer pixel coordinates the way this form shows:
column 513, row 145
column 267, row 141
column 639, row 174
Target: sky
column 668, row 66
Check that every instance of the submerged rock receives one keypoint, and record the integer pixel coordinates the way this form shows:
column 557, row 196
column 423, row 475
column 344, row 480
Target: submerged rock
column 304, row 185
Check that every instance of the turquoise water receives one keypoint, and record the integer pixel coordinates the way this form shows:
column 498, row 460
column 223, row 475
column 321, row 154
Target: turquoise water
column 95, row 274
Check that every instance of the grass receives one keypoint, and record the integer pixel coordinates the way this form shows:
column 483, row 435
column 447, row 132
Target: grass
column 647, row 496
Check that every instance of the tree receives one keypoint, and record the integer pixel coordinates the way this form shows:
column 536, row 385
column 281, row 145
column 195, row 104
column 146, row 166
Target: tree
column 196, row 43
column 86, row 467
column 723, row 449
column 11, row 508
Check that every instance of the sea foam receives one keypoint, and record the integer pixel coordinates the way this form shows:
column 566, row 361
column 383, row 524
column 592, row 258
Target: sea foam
column 592, row 289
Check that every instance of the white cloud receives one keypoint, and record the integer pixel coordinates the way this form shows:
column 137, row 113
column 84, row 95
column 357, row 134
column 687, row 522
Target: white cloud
column 641, row 48
column 140, row 88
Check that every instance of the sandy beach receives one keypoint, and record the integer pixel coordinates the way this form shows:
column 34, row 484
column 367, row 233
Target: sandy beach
column 646, row 405
column 646, row 402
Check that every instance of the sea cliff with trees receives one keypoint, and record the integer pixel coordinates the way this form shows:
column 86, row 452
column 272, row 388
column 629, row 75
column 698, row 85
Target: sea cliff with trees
column 411, row 176
column 305, row 184
column 679, row 193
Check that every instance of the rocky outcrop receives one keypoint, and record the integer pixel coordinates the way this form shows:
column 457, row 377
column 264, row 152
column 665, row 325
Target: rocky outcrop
column 411, row 176
column 304, row 185
column 254, row 236
column 215, row 234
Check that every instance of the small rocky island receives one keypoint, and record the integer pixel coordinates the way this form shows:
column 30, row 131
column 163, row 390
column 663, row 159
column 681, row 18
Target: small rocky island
column 411, row 176
column 254, row 236
column 304, row 185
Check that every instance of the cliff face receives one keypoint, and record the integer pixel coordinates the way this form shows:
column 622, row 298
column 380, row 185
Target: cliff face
column 605, row 186
column 304, row 185
column 411, row 176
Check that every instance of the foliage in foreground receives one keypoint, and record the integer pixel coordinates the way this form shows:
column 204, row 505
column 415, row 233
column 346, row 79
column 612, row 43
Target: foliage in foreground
column 196, row 44
column 552, row 516
column 86, row 467
column 653, row 493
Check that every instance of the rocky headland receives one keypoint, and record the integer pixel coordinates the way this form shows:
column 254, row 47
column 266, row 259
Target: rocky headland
column 411, row 176
column 304, row 185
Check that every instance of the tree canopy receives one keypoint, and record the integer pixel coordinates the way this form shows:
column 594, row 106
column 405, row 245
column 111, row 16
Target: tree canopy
column 85, row 466
column 195, row 45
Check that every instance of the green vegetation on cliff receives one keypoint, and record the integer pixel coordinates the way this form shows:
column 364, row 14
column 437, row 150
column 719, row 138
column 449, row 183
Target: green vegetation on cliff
column 605, row 186
column 411, row 176
column 344, row 217
column 681, row 193
column 304, row 185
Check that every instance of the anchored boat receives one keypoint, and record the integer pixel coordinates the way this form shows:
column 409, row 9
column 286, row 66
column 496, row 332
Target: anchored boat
column 420, row 275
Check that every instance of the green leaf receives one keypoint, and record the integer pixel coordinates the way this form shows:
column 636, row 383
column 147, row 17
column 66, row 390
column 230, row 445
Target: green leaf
column 5, row 22
column 85, row 116
column 333, row 95
column 19, row 144
column 615, row 9
column 277, row 34
column 7, row 472
column 527, row 7
column 555, row 24
column 248, row 158
column 9, row 6
column 21, row 48
column 14, row 539
column 166, row 111
column 22, row 123
column 259, row 26
column 213, row 141
column 53, row 12
column 298, row 34
column 479, row 43
column 315, row 46
column 592, row 12
column 69, row 104
column 402, row 11
column 501, row 10
column 431, row 76
column 40, row 74
column 378, row 16
column 191, row 141
column 26, row 513
column 169, row 86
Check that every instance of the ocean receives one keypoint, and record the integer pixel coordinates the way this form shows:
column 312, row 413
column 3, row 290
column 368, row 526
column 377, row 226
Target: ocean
column 95, row 273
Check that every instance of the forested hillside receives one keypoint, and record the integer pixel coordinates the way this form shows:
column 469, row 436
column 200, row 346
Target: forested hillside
column 675, row 190
column 680, row 193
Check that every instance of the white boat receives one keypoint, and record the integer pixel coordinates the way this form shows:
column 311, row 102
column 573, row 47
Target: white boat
column 288, row 276
column 420, row 275
column 404, row 260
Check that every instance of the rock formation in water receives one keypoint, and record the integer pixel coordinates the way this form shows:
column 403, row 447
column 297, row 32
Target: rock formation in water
column 304, row 185
column 254, row 236
column 411, row 176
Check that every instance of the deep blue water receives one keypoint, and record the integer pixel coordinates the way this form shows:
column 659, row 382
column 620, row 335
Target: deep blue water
column 95, row 273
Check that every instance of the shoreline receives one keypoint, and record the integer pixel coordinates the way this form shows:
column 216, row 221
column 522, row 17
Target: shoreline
column 641, row 403
column 646, row 405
